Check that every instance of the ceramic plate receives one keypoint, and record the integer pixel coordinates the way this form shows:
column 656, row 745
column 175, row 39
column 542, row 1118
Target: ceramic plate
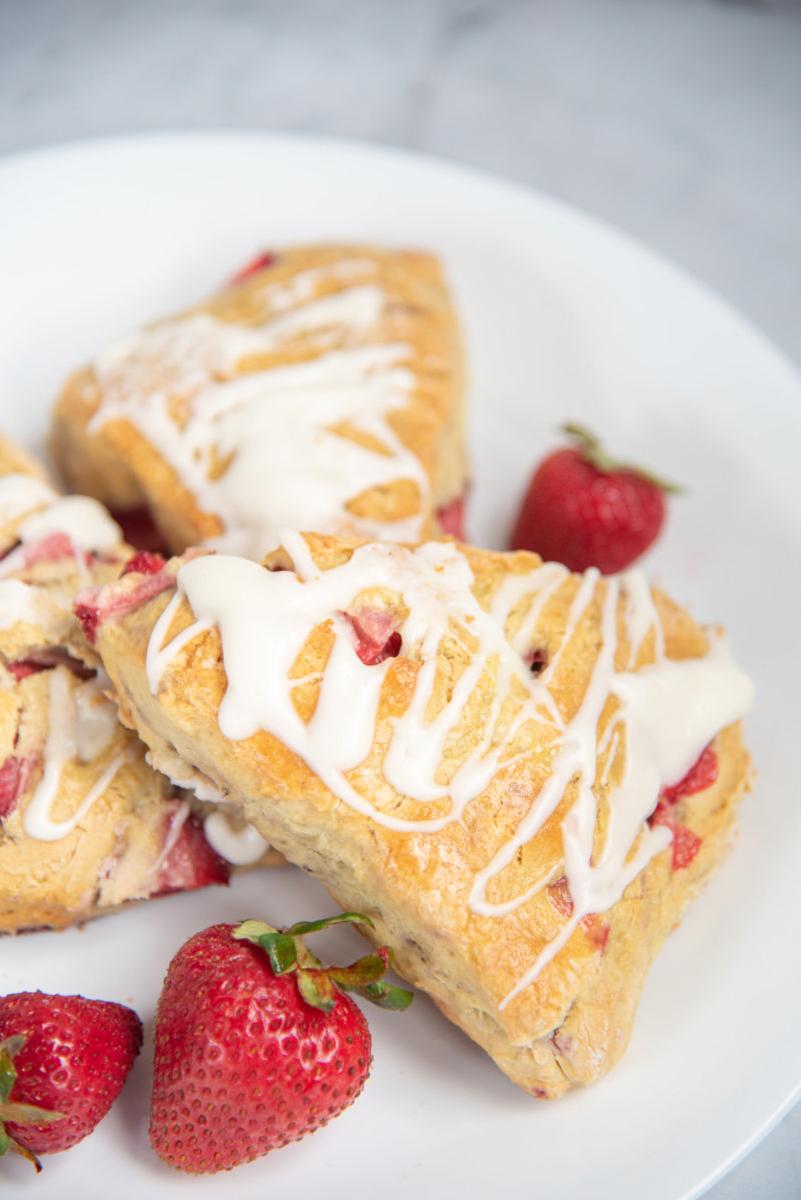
column 563, row 318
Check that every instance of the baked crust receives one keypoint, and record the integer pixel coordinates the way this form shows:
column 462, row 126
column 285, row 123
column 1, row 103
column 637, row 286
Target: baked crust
column 312, row 306
column 138, row 838
column 572, row 1021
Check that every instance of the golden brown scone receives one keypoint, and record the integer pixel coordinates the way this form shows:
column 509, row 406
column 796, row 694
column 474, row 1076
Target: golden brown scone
column 321, row 388
column 522, row 775
column 85, row 823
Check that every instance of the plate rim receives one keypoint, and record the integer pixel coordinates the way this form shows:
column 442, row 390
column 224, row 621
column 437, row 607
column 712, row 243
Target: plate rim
column 513, row 191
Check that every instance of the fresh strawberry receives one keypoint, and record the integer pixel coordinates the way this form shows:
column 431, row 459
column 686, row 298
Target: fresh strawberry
column 63, row 1061
column 584, row 509
column 256, row 1043
column 259, row 263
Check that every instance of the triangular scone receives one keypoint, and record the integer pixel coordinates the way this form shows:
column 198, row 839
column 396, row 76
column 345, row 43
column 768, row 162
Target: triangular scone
column 85, row 823
column 521, row 774
column 321, row 388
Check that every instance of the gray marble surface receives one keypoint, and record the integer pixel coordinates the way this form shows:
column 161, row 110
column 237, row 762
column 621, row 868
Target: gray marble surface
column 677, row 120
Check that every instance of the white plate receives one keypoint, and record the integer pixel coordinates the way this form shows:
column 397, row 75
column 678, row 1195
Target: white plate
column 564, row 318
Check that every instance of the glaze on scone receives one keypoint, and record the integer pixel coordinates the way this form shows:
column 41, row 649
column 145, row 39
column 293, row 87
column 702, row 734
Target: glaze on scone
column 475, row 748
column 323, row 391
column 85, row 823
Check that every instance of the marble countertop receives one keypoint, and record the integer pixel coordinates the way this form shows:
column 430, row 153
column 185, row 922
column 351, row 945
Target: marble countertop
column 676, row 120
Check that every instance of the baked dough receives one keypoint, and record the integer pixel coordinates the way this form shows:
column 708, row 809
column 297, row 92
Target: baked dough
column 85, row 823
column 521, row 775
column 321, row 389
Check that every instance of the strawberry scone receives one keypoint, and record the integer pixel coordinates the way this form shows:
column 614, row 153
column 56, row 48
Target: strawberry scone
column 85, row 823
column 321, row 388
column 522, row 775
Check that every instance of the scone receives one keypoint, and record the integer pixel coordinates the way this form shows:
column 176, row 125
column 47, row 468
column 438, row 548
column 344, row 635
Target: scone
column 85, row 823
column 522, row 775
column 322, row 389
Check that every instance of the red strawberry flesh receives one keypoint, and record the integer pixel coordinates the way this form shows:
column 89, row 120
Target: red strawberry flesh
column 48, row 549
column 685, row 844
column 253, row 267
column 593, row 925
column 451, row 518
column 144, row 562
column 191, row 862
column 94, row 605
column 377, row 639
column 45, row 660
column 701, row 775
column 15, row 775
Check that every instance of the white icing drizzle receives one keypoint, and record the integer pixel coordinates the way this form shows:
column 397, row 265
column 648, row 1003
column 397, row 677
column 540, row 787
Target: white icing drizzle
column 23, row 603
column 272, row 428
column 666, row 714
column 21, row 493
column 84, row 521
column 239, row 846
column 96, row 720
column 156, row 657
column 179, row 818
column 77, row 731
column 203, row 788
column 640, row 615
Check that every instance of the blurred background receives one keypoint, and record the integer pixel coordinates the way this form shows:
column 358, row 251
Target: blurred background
column 678, row 121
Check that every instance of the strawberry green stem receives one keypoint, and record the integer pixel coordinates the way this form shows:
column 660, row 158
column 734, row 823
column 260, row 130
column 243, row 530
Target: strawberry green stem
column 591, row 449
column 318, row 985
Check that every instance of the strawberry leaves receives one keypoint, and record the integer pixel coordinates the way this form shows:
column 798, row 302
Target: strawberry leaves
column 593, row 452
column 10, row 1110
column 318, row 985
column 300, row 928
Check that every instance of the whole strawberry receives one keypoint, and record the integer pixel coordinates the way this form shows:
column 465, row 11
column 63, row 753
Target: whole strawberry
column 584, row 509
column 63, row 1061
column 256, row 1043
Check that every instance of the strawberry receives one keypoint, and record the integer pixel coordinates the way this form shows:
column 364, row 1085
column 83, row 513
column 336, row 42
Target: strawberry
column 376, row 638
column 594, row 926
column 701, row 775
column 190, row 862
column 91, row 610
column 63, row 1061
column 15, row 775
column 584, row 509
column 685, row 844
column 451, row 518
column 144, row 562
column 253, row 267
column 256, row 1043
